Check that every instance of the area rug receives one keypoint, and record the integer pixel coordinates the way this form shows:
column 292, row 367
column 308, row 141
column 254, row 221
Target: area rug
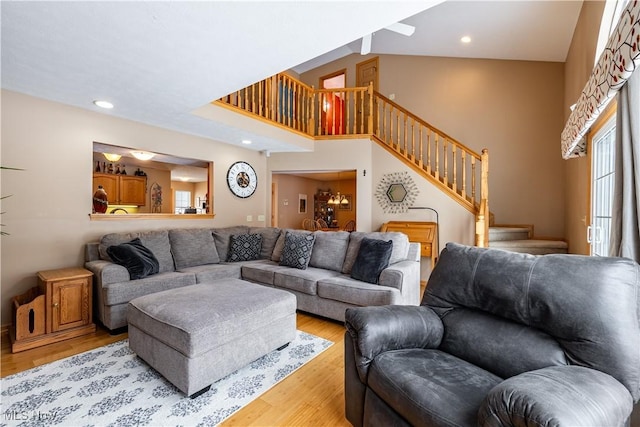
column 111, row 386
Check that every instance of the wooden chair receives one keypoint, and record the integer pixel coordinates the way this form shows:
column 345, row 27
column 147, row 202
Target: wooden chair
column 349, row 226
column 322, row 224
column 309, row 224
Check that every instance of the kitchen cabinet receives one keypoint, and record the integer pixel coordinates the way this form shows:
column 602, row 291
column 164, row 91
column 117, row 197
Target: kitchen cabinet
column 122, row 189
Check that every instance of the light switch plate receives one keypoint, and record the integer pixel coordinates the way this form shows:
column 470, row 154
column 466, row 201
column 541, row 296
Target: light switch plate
column 249, row 218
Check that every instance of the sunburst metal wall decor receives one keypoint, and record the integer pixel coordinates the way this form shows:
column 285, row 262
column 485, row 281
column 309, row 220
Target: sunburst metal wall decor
column 396, row 192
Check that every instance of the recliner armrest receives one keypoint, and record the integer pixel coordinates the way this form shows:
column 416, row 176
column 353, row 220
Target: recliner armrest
column 377, row 329
column 557, row 395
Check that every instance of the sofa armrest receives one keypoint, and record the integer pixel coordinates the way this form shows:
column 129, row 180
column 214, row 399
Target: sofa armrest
column 107, row 272
column 377, row 329
column 404, row 276
column 557, row 395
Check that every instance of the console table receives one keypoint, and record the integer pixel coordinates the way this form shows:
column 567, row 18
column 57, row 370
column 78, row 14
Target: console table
column 419, row 232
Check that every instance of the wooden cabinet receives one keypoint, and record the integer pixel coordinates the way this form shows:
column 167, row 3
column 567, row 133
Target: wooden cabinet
column 420, row 232
column 67, row 309
column 122, row 189
column 322, row 209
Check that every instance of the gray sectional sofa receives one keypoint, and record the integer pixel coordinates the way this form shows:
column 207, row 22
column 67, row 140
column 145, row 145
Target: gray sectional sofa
column 200, row 255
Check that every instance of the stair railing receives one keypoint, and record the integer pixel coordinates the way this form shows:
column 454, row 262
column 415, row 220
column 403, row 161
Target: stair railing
column 363, row 112
column 279, row 99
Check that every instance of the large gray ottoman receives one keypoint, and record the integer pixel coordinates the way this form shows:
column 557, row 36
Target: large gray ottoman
column 198, row 334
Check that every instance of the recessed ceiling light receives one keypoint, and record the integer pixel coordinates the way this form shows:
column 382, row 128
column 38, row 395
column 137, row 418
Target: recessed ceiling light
column 466, row 39
column 103, row 104
column 246, row 141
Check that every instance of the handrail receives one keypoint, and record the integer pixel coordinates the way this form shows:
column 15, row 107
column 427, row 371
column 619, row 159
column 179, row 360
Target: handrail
column 361, row 111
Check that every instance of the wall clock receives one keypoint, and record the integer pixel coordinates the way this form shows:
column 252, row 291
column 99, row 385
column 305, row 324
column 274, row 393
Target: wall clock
column 242, row 179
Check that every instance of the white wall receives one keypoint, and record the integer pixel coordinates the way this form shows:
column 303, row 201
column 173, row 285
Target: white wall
column 47, row 215
column 456, row 223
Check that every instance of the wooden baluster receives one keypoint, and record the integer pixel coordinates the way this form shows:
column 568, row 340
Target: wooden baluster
column 429, row 161
column 260, row 98
column 464, row 173
column 455, row 167
column 278, row 99
column 397, row 131
column 437, row 154
column 362, row 114
column 473, row 179
column 294, row 103
column 413, row 140
column 404, row 136
column 420, row 147
column 319, row 110
column 370, row 118
column 334, row 116
column 391, row 127
column 326, row 113
column 378, row 105
column 348, row 130
column 445, row 158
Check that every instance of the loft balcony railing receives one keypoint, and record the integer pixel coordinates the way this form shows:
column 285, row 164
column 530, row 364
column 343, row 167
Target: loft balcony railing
column 362, row 112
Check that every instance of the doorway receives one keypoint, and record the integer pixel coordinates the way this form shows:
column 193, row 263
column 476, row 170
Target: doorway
column 366, row 74
column 332, row 111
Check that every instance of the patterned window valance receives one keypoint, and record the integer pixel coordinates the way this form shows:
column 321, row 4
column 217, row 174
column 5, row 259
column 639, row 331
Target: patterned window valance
column 618, row 61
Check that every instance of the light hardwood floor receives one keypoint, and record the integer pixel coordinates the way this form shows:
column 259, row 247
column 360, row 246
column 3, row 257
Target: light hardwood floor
column 311, row 396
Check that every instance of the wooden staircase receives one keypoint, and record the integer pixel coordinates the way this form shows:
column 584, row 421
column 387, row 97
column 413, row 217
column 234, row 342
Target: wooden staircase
column 359, row 112
column 519, row 238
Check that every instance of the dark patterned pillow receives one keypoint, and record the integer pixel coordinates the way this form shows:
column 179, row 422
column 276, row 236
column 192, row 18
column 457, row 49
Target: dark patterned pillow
column 373, row 257
column 297, row 250
column 244, row 247
column 139, row 261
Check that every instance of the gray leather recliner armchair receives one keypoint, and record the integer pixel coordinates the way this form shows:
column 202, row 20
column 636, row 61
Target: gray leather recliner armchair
column 501, row 339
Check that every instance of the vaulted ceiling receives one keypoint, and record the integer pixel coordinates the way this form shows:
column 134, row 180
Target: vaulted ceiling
column 159, row 61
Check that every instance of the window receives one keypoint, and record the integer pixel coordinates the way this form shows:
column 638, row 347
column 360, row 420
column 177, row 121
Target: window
column 183, row 201
column 603, row 157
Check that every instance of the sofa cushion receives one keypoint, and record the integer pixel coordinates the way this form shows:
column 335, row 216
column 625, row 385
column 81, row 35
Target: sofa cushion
column 222, row 238
column 261, row 271
column 193, row 246
column 123, row 292
column 277, row 249
column 430, row 387
column 507, row 349
column 135, row 257
column 329, row 249
column 305, row 281
column 157, row 241
column 356, row 292
column 207, row 273
column 244, row 247
column 399, row 252
column 373, row 257
column 297, row 250
column 270, row 236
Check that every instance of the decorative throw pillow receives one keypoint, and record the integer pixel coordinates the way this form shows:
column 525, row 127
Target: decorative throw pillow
column 135, row 257
column 244, row 247
column 297, row 250
column 373, row 257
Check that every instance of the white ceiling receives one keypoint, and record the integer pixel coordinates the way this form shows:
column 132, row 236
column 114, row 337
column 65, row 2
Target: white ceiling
column 159, row 61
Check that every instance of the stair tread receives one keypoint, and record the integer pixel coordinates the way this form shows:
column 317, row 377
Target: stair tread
column 507, row 229
column 530, row 243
